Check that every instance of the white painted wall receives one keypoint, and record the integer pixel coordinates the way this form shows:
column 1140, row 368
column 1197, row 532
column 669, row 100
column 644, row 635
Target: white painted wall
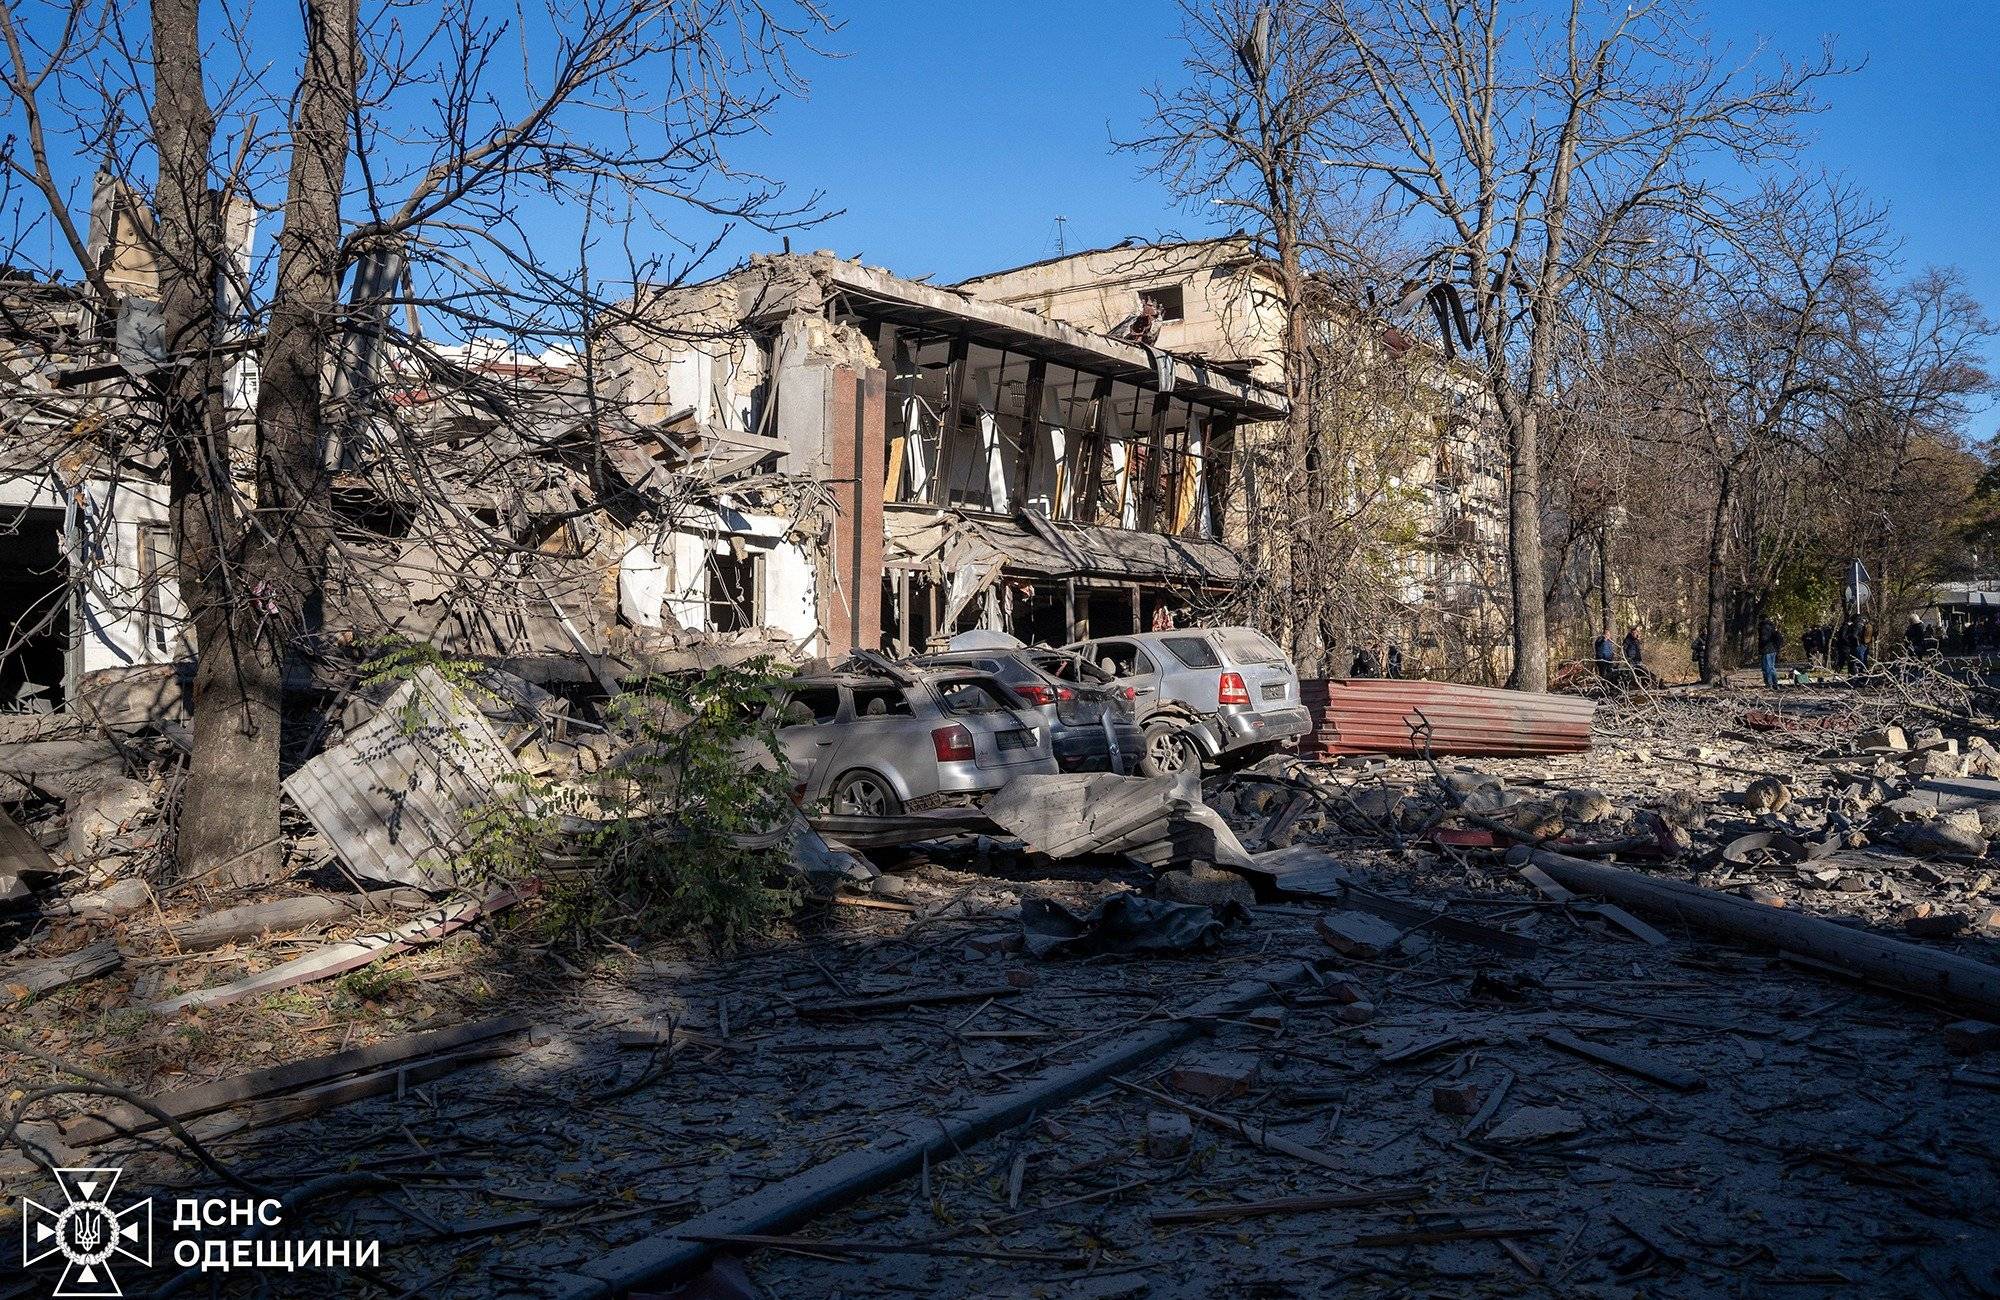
column 791, row 590
column 104, row 524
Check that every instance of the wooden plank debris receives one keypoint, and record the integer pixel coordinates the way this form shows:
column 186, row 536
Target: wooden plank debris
column 380, row 1083
column 901, row 1001
column 1257, row 1135
column 284, row 914
column 1431, row 1236
column 1663, row 1073
column 1293, row 1205
column 1278, row 826
column 1541, row 880
column 1416, row 917
column 812, row 1246
column 1627, row 922
column 20, row 855
column 339, row 958
column 901, row 1151
column 207, row 1098
column 51, row 973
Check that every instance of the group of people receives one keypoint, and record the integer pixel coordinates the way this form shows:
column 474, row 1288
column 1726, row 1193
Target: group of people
column 1847, row 646
column 1368, row 664
column 1635, row 649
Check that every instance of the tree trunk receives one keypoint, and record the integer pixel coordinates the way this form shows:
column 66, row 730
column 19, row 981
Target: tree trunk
column 227, row 830
column 271, row 576
column 1524, row 551
column 1718, row 540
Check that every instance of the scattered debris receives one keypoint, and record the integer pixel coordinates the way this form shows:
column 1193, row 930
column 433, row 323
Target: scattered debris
column 1125, row 923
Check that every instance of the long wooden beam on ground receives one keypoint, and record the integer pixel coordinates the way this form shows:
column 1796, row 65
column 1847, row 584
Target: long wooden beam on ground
column 778, row 1208
column 1972, row 986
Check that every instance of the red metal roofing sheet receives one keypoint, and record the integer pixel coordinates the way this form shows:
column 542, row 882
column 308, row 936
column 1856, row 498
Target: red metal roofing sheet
column 1375, row 716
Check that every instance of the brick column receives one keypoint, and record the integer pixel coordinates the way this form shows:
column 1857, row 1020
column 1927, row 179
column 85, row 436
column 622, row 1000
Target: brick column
column 856, row 424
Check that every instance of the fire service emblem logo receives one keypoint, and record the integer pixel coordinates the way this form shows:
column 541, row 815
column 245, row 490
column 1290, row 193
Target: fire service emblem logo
column 87, row 1233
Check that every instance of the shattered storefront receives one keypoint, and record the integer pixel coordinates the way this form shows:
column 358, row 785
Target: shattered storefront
column 986, row 467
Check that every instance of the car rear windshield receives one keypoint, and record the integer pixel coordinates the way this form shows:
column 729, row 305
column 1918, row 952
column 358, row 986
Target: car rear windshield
column 1192, row 651
column 1248, row 646
column 972, row 697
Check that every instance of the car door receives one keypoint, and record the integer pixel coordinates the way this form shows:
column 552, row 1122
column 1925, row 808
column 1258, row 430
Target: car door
column 1129, row 664
column 808, row 731
column 884, row 736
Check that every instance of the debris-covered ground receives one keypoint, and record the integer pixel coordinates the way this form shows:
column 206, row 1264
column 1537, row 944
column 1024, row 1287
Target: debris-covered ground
column 1446, row 1078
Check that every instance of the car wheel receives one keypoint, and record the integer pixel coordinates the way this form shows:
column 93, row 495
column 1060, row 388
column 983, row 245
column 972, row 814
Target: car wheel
column 1168, row 751
column 864, row 794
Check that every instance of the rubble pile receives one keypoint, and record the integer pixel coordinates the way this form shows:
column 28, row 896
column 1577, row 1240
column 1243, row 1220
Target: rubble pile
column 1304, row 1027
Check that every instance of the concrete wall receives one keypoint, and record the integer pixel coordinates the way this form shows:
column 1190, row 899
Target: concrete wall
column 1229, row 311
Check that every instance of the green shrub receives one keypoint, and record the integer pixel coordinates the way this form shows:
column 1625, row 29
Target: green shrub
column 691, row 829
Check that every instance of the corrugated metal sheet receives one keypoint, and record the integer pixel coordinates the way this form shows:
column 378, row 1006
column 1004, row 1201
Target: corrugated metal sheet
column 1375, row 716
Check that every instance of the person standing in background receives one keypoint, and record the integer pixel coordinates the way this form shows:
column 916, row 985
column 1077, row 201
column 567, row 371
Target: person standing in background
column 1769, row 641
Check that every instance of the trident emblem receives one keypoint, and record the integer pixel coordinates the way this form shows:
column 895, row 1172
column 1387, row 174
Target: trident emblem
column 87, row 1233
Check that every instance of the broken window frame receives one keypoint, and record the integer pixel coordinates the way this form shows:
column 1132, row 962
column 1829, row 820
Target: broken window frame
column 733, row 603
column 913, row 424
column 975, row 476
column 156, row 559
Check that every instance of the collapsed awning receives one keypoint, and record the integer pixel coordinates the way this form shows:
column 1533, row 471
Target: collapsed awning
column 952, row 541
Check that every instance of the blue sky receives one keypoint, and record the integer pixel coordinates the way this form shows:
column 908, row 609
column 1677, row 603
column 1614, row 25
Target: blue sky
column 953, row 134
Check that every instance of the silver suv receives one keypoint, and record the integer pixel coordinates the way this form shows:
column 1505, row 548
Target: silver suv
column 1202, row 693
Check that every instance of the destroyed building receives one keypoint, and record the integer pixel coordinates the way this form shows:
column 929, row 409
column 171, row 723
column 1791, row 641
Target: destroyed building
column 987, row 466
column 84, row 542
column 1220, row 300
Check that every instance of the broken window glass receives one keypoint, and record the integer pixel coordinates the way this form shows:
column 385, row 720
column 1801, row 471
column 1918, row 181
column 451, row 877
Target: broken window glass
column 973, row 460
column 1060, row 439
column 1125, row 418
column 919, row 368
column 734, row 591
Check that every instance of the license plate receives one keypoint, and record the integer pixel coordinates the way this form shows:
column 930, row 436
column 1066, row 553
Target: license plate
column 1274, row 690
column 1017, row 740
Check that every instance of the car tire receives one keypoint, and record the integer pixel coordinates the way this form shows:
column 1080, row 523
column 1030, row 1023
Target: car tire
column 1167, row 751
column 862, row 793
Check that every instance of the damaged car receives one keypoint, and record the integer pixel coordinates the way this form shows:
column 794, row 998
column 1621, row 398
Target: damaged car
column 875, row 743
column 1091, row 723
column 1204, row 694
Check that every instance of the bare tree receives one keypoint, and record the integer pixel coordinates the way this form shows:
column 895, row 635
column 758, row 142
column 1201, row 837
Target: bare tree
column 1522, row 147
column 1782, row 403
column 441, row 155
column 1241, row 136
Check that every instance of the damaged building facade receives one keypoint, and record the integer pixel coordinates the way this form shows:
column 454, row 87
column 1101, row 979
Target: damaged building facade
column 1220, row 300
column 981, row 465
column 85, row 548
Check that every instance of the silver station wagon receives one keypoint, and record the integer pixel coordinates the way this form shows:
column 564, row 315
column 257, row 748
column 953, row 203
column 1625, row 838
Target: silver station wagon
column 881, row 743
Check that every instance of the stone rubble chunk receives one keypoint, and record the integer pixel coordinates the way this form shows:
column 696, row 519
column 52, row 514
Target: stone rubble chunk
column 1536, row 1124
column 1457, row 1098
column 1358, row 934
column 1215, row 1075
column 1767, row 794
column 1206, row 885
column 1886, row 738
column 1944, row 838
column 1971, row 1036
column 1169, row 1134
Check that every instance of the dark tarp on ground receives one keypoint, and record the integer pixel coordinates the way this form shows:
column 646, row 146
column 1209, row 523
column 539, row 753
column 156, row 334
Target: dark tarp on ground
column 1125, row 923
